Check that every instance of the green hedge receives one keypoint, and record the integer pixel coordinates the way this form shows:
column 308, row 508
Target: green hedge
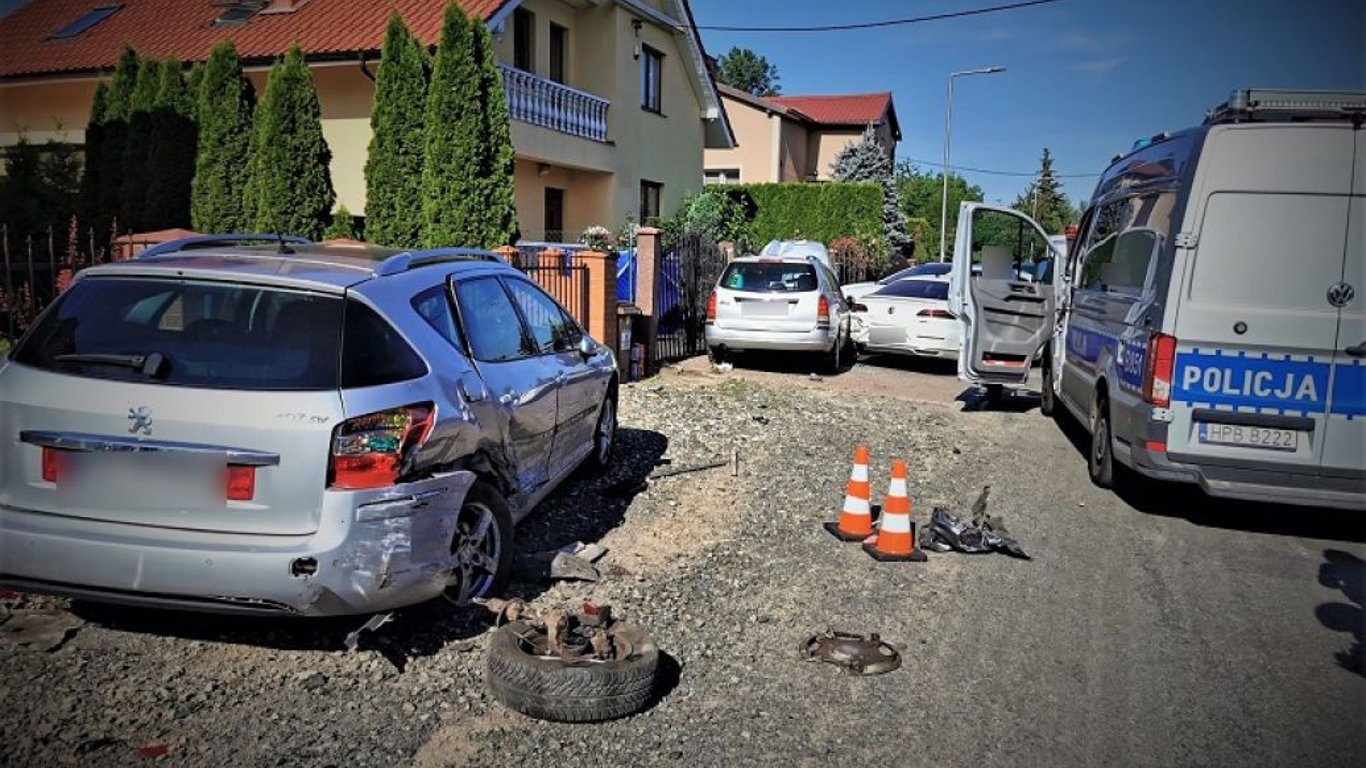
column 821, row 212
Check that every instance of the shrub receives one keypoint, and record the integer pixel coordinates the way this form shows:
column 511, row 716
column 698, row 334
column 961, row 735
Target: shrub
column 821, row 212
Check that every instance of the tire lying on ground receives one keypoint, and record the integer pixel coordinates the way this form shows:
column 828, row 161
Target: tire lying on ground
column 572, row 692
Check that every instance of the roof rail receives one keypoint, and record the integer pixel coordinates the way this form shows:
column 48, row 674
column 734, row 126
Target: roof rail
column 402, row 262
column 1267, row 105
column 214, row 241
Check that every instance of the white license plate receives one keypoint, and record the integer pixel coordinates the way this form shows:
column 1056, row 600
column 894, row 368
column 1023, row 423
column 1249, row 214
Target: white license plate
column 143, row 480
column 764, row 309
column 1266, row 438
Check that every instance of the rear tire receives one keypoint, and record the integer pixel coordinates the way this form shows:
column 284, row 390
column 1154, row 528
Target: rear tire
column 1048, row 403
column 604, row 435
column 833, row 361
column 1100, row 460
column 716, row 355
column 483, row 563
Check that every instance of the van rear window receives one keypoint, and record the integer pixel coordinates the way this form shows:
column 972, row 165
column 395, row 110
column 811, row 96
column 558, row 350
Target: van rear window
column 213, row 335
column 769, row 277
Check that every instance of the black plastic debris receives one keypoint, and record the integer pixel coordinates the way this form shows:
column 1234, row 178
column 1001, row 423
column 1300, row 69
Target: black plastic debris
column 985, row 533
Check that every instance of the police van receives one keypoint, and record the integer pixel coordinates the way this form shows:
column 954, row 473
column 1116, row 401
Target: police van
column 1207, row 324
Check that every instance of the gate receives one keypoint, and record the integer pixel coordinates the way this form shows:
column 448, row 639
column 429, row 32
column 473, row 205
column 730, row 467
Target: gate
column 688, row 273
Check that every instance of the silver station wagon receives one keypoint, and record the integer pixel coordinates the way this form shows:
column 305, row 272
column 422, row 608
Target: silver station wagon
column 229, row 425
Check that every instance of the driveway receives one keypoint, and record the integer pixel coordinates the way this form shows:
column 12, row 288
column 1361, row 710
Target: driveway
column 1161, row 628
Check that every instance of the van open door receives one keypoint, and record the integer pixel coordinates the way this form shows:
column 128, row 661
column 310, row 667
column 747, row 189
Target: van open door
column 1001, row 288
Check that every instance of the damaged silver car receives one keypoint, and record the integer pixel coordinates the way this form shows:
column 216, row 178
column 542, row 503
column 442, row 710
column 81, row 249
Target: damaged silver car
column 289, row 428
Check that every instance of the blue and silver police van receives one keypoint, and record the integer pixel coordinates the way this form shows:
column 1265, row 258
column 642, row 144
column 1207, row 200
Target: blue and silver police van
column 1207, row 325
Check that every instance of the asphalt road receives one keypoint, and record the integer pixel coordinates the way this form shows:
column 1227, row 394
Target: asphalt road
column 1160, row 627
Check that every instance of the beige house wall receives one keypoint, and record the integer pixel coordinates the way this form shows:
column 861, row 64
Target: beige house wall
column 795, row 138
column 753, row 155
column 601, row 180
column 826, row 144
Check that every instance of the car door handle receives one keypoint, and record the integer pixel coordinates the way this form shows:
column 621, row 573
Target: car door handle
column 1357, row 351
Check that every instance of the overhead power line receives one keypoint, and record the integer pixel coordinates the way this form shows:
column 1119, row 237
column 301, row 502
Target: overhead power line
column 886, row 23
column 938, row 164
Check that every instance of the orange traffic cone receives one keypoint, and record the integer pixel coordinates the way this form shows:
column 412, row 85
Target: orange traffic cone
column 895, row 537
column 856, row 519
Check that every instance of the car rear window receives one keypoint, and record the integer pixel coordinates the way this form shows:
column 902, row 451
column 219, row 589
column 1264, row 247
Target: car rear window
column 214, row 335
column 916, row 289
column 769, row 277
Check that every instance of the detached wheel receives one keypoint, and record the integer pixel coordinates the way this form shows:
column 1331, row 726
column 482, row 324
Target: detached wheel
column 582, row 691
column 1100, row 462
column 604, row 435
column 482, row 546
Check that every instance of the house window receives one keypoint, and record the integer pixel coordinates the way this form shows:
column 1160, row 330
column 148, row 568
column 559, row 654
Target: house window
column 90, row 19
column 650, row 192
column 524, row 40
column 721, row 176
column 651, row 65
column 554, row 215
column 559, row 46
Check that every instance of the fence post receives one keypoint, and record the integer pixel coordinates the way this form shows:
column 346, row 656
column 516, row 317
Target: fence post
column 649, row 269
column 602, row 296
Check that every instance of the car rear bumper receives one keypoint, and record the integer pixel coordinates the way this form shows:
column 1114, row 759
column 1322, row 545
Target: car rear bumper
column 912, row 348
column 373, row 551
column 816, row 340
column 1251, row 483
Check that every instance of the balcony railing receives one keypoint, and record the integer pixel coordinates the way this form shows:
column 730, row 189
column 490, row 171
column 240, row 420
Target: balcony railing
column 548, row 104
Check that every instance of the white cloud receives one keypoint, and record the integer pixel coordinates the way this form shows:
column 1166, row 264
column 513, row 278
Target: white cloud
column 1098, row 68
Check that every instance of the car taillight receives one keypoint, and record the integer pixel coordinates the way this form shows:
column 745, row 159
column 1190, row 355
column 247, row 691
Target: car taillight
column 934, row 313
column 51, row 460
column 822, row 312
column 711, row 308
column 369, row 451
column 1157, row 372
column 241, row 484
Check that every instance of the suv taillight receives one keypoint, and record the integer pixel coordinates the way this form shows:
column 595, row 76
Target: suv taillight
column 1157, row 372
column 711, row 308
column 822, row 312
column 369, row 451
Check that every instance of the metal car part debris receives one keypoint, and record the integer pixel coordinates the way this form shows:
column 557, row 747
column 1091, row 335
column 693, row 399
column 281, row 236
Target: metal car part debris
column 583, row 636
column 985, row 534
column 855, row 654
column 40, row 629
column 374, row 623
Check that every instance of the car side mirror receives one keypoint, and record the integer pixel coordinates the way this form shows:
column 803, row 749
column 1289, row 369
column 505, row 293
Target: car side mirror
column 587, row 347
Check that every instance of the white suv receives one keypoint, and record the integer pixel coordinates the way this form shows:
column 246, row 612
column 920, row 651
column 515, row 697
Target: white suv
column 790, row 304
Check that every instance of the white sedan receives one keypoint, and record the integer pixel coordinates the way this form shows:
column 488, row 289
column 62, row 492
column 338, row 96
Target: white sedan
column 856, row 291
column 907, row 317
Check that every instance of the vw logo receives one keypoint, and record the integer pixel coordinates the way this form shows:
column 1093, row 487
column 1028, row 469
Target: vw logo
column 1341, row 294
column 141, row 417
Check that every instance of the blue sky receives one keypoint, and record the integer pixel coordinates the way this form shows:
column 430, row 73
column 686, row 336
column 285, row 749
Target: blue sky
column 1084, row 78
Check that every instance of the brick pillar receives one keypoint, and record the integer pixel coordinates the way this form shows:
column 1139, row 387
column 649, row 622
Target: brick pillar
column 649, row 270
column 551, row 258
column 507, row 253
column 602, row 296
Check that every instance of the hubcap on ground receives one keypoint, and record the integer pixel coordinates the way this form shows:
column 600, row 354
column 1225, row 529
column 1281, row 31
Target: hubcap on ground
column 607, row 430
column 477, row 547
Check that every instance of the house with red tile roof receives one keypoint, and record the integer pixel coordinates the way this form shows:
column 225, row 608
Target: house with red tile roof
column 611, row 101
column 796, row 138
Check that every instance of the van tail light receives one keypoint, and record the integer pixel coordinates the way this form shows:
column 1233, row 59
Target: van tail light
column 1157, row 371
column 822, row 312
column 241, row 482
column 51, row 463
column 935, row 313
column 711, row 309
column 369, row 451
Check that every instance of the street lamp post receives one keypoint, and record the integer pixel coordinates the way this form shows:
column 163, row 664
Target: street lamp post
column 944, row 171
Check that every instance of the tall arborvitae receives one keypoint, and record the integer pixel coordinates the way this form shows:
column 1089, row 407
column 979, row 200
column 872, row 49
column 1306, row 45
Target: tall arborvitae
column 91, row 216
column 451, row 203
column 137, row 168
column 224, row 109
column 118, row 108
column 291, row 186
column 498, row 164
column 172, row 140
column 393, row 167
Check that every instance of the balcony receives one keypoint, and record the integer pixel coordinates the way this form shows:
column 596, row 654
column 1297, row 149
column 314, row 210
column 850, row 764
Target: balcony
column 548, row 104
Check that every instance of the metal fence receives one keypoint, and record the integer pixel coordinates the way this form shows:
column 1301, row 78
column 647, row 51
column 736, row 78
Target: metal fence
column 689, row 271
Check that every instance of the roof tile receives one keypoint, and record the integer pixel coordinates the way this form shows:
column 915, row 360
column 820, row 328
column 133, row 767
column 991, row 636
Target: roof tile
column 847, row 109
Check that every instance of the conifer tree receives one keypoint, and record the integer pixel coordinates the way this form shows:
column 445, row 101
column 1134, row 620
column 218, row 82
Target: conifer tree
column 137, row 168
column 91, row 215
column 393, row 167
column 866, row 160
column 224, row 110
column 498, row 164
column 291, row 183
column 451, row 199
column 173, row 139
column 343, row 226
column 118, row 108
column 1044, row 201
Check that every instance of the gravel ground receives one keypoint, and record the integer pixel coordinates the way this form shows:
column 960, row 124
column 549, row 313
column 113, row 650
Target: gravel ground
column 1157, row 636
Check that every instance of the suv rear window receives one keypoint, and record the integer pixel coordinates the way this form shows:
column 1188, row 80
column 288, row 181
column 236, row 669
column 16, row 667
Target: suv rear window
column 213, row 335
column 769, row 277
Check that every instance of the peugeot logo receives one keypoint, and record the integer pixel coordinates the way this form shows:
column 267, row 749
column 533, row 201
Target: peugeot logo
column 1341, row 294
column 141, row 417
